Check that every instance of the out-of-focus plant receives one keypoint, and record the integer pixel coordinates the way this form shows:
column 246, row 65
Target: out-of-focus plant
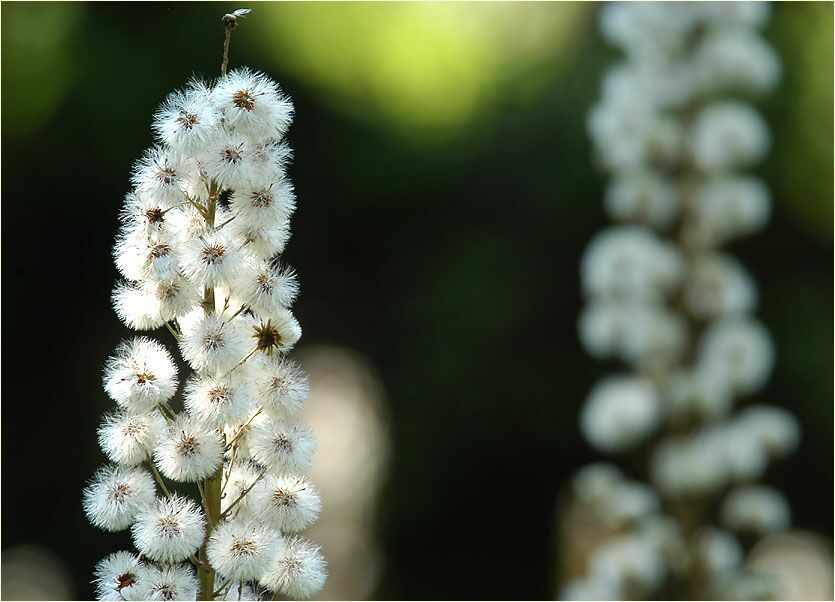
column 199, row 248
column 675, row 133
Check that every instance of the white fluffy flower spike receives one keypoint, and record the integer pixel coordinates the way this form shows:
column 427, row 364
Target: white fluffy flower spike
column 199, row 255
column 674, row 131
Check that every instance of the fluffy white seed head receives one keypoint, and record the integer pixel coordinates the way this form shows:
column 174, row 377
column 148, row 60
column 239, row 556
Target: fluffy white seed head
column 629, row 561
column 698, row 394
column 127, row 438
column 281, row 385
column 739, row 352
column 271, row 202
column 284, row 446
column 647, row 31
column 630, row 262
column 620, row 412
column 120, row 576
column 683, row 468
column 169, row 530
column 642, row 195
column 725, row 207
column 139, row 258
column 299, row 570
column 266, row 288
column 277, row 332
column 718, row 286
column 187, row 120
column 742, row 456
column 243, row 549
column 116, row 495
column 595, row 482
column 143, row 217
column 774, row 429
column 755, row 508
column 736, row 60
column 288, row 502
column 629, row 133
column 221, row 399
column 236, row 591
column 253, row 104
column 188, row 223
column 138, row 309
column 638, row 332
column 232, row 161
column 140, row 374
column 735, row 15
column 241, row 477
column 262, row 239
column 211, row 260
column 630, row 502
column 171, row 582
column 589, row 589
column 190, row 450
column 173, row 297
column 728, row 135
column 719, row 550
column 212, row 343
column 160, row 175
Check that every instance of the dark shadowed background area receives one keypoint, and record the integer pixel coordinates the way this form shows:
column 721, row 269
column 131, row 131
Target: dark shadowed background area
column 446, row 192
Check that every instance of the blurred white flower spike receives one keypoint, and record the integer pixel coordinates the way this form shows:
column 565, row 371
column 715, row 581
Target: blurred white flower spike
column 674, row 130
column 199, row 253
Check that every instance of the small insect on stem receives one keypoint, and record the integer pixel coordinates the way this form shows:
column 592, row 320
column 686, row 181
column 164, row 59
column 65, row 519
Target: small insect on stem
column 230, row 22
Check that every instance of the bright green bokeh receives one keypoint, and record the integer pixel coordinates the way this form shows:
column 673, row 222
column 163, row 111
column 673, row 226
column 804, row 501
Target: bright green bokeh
column 427, row 70
column 807, row 153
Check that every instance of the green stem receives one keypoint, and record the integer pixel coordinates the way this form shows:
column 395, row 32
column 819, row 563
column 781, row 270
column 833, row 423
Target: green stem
column 158, row 477
column 212, row 485
column 243, row 495
column 213, row 517
column 226, row 42
column 243, row 428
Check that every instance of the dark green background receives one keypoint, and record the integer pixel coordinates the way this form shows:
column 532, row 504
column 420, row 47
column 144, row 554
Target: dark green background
column 446, row 192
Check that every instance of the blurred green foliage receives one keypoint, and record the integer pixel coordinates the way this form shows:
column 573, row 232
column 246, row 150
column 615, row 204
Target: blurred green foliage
column 806, row 121
column 425, row 70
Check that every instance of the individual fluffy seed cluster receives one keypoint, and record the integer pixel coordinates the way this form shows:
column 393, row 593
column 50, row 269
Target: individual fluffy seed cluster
column 675, row 132
column 199, row 253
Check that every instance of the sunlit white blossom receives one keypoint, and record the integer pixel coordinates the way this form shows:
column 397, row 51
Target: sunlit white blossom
column 169, row 530
column 288, row 502
column 299, row 570
column 120, row 576
column 243, row 549
column 140, row 374
column 755, row 508
column 116, row 495
column 619, row 412
column 127, row 438
column 189, row 451
column 171, row 582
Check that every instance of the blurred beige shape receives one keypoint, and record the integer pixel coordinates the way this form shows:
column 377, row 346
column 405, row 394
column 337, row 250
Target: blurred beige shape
column 579, row 532
column 800, row 561
column 31, row 572
column 347, row 412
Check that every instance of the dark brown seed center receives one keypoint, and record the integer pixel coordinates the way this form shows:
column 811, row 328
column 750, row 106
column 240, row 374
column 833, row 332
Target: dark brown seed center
column 244, row 99
column 125, row 580
column 187, row 119
column 213, row 254
column 167, row 175
column 187, row 446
